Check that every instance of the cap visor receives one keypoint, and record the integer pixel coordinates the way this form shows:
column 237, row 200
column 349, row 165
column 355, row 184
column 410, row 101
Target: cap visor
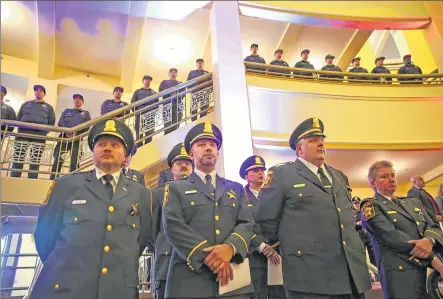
column 110, row 134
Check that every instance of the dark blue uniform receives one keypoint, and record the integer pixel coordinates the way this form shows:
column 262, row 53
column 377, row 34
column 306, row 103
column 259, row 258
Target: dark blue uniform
column 37, row 113
column 358, row 70
column 146, row 115
column 256, row 59
column 111, row 105
column 280, row 63
column 196, row 101
column 164, row 176
column 410, row 68
column 382, row 70
column 8, row 113
column 176, row 101
column 331, row 68
column 304, row 64
column 69, row 118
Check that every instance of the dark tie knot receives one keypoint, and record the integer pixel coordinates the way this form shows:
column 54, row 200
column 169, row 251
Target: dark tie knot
column 108, row 178
column 321, row 171
column 208, row 178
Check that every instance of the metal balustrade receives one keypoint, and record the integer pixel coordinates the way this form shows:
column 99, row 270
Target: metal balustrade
column 291, row 73
column 160, row 113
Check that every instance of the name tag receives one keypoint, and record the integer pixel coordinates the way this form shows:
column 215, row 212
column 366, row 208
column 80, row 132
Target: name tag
column 190, row 191
column 392, row 212
column 249, row 205
column 79, row 202
column 299, row 185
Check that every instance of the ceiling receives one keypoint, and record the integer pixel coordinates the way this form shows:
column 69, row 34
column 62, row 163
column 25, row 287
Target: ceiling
column 92, row 36
column 355, row 163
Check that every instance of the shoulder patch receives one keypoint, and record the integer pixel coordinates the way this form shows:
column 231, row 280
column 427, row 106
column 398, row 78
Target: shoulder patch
column 269, row 178
column 368, row 210
column 166, row 195
column 48, row 195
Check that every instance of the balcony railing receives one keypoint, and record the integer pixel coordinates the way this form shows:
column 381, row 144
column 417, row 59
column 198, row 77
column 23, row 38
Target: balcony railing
column 291, row 73
column 160, row 113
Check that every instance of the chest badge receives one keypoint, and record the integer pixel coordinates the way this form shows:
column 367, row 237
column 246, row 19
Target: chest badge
column 231, row 194
column 134, row 209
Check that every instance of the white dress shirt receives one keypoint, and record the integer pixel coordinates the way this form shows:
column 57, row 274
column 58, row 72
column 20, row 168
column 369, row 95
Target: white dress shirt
column 314, row 169
column 255, row 192
column 115, row 177
column 202, row 176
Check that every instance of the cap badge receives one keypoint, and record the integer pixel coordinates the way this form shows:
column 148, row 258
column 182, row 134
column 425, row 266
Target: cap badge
column 183, row 151
column 257, row 160
column 315, row 123
column 110, row 126
column 208, row 128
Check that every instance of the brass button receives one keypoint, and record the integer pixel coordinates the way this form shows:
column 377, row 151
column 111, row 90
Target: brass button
column 342, row 226
column 217, row 217
column 400, row 267
column 395, row 220
column 109, row 227
column 338, row 209
column 300, row 194
column 111, row 209
column 344, row 243
column 216, row 203
column 217, row 232
column 107, row 248
column 299, row 252
column 104, row 271
column 192, row 203
column 233, row 204
column 418, row 222
column 57, row 286
column 133, row 225
column 75, row 219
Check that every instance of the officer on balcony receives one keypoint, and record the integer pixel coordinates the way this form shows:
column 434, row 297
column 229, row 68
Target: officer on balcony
column 93, row 226
column 381, row 69
column 356, row 68
column 70, row 118
column 254, row 57
column 115, row 103
column 331, row 67
column 198, row 101
column 8, row 112
column 279, row 61
column 409, row 68
column 304, row 63
column 39, row 112
column 172, row 100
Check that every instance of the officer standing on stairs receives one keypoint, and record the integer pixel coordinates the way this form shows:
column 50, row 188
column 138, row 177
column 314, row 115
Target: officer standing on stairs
column 381, row 69
column 173, row 99
column 114, row 103
column 253, row 171
column 356, row 68
column 8, row 112
column 409, row 68
column 181, row 166
column 197, row 100
column 279, row 61
column 304, row 63
column 254, row 57
column 93, row 226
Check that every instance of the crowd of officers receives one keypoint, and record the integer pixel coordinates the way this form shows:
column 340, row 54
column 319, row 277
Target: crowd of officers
column 407, row 68
column 93, row 226
column 38, row 111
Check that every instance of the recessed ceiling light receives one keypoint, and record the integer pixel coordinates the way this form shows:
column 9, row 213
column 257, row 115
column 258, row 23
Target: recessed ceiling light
column 173, row 49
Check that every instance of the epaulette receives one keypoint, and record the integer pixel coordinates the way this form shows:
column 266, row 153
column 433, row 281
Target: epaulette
column 80, row 172
column 281, row 164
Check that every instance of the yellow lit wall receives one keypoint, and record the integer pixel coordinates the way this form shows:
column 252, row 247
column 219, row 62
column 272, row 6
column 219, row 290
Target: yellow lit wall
column 368, row 192
column 367, row 56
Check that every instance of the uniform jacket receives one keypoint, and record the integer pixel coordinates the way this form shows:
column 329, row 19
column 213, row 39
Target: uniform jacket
column 410, row 69
column 75, row 227
column 164, row 176
column 37, row 113
column 391, row 226
column 280, row 63
column 331, row 68
column 425, row 199
column 303, row 64
column 163, row 249
column 8, row 113
column 193, row 220
column 318, row 241
column 256, row 59
column 358, row 70
column 381, row 70
column 136, row 176
column 111, row 105
column 74, row 117
column 141, row 94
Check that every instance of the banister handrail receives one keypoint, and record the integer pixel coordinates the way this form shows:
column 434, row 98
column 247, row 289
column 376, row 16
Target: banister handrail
column 321, row 72
column 85, row 125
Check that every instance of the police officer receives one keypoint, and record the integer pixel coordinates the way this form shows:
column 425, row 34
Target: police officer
column 94, row 225
column 175, row 98
column 181, row 166
column 147, row 114
column 362, row 233
column 380, row 69
column 304, row 63
column 115, row 103
column 196, row 102
column 331, row 67
column 356, row 68
column 278, row 61
column 8, row 112
column 164, row 176
column 70, row 118
column 133, row 174
column 306, row 205
column 37, row 112
column 409, row 68
column 207, row 221
column 253, row 171
column 417, row 190
column 254, row 57
column 403, row 235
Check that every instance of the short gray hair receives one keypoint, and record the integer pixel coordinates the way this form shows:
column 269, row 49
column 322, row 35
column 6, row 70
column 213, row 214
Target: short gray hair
column 372, row 173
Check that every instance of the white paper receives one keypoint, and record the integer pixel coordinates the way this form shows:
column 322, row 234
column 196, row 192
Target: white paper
column 242, row 278
column 275, row 273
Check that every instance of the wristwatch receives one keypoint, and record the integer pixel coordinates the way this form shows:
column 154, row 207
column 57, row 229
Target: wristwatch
column 432, row 240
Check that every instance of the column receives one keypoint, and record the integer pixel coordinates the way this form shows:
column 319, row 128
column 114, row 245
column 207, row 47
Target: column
column 434, row 32
column 231, row 111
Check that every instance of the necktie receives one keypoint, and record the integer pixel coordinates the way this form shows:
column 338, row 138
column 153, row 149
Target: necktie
column 431, row 199
column 324, row 179
column 108, row 178
column 209, row 185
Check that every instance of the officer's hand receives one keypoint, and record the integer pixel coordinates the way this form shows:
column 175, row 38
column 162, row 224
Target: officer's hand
column 438, row 218
column 422, row 249
column 224, row 273
column 438, row 266
column 218, row 254
column 270, row 253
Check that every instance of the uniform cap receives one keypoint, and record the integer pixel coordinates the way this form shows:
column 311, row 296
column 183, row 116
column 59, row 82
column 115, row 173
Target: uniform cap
column 250, row 163
column 329, row 56
column 379, row 58
column 118, row 88
column 199, row 60
column 309, row 127
column 355, row 59
column 4, row 90
column 203, row 131
column 305, row 51
column 178, row 153
column 77, row 95
column 356, row 199
column 41, row 87
column 147, row 77
column 278, row 50
column 254, row 45
column 173, row 70
column 111, row 127
column 406, row 56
